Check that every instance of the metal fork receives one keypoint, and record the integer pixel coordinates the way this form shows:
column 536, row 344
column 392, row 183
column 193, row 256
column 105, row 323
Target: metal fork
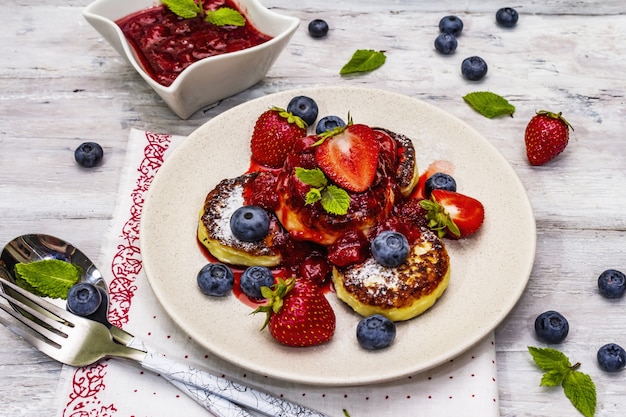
column 78, row 341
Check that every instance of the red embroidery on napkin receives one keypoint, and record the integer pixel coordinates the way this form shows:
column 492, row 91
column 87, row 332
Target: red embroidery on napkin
column 125, row 266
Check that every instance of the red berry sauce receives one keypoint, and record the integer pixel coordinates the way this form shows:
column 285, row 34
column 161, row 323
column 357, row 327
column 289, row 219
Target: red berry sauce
column 167, row 44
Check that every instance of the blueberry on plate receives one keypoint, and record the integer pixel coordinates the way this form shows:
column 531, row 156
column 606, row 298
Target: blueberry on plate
column 507, row 17
column 474, row 68
column 451, row 24
column 551, row 327
column 439, row 181
column 612, row 283
column 255, row 277
column 318, row 28
column 88, row 154
column 250, row 223
column 446, row 43
column 305, row 108
column 611, row 357
column 327, row 123
column 83, row 299
column 375, row 332
column 390, row 248
column 216, row 279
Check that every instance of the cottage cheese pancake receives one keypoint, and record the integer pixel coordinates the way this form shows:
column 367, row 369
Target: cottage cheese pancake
column 399, row 293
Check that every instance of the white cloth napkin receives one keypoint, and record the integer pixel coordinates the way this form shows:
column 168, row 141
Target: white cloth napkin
column 465, row 386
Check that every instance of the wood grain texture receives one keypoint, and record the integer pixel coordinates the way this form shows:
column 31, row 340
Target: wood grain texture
column 61, row 84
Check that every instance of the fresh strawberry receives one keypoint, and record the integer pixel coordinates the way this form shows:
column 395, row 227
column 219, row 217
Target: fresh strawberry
column 275, row 132
column 453, row 214
column 546, row 136
column 349, row 156
column 298, row 314
column 437, row 166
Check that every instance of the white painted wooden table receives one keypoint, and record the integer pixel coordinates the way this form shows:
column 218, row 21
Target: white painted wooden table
column 61, row 84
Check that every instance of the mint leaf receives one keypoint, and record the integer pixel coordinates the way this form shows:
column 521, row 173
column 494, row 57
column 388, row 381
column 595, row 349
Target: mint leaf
column 335, row 200
column 364, row 60
column 184, row 8
column 49, row 277
column 225, row 16
column 578, row 386
column 581, row 391
column 489, row 104
column 549, row 359
column 313, row 177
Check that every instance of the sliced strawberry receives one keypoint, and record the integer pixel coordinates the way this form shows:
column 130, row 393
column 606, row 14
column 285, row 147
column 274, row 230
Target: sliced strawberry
column 298, row 314
column 274, row 135
column 453, row 214
column 350, row 157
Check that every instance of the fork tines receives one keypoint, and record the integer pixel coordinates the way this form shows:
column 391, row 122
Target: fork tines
column 45, row 321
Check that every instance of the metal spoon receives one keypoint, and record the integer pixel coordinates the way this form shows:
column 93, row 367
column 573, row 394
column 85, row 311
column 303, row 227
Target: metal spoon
column 37, row 247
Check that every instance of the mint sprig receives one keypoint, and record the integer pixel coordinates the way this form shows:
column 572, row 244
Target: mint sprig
column 578, row 386
column 489, row 104
column 49, row 277
column 334, row 200
column 364, row 60
column 223, row 16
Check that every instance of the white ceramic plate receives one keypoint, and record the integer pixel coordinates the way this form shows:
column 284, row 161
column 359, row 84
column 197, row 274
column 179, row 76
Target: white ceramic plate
column 489, row 270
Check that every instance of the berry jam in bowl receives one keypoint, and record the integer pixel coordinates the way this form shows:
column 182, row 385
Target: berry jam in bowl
column 196, row 63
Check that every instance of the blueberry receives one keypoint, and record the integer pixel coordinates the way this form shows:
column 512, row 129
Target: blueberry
column 611, row 357
column 255, row 277
column 88, row 154
column 611, row 283
column 328, row 123
column 305, row 108
column 474, row 68
column 507, row 17
column 83, row 299
column 446, row 43
column 551, row 327
column 250, row 223
column 390, row 248
column 216, row 279
column 318, row 28
column 451, row 24
column 439, row 181
column 375, row 332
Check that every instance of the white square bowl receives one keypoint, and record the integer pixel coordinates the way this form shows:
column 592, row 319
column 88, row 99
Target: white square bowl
column 211, row 79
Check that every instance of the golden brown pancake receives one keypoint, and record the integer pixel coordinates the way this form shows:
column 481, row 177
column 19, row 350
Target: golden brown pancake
column 399, row 293
column 214, row 227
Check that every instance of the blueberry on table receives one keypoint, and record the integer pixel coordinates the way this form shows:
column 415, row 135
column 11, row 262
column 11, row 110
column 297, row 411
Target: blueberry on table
column 327, row 123
column 451, row 24
column 216, row 279
column 612, row 283
column 446, row 43
column 439, row 181
column 611, row 357
column 255, row 277
column 375, row 332
column 390, row 248
column 551, row 327
column 88, row 154
column 83, row 299
column 318, row 28
column 250, row 223
column 507, row 17
column 474, row 68
column 305, row 108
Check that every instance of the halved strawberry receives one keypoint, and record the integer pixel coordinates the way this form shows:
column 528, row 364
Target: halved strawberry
column 349, row 156
column 298, row 313
column 445, row 167
column 453, row 214
column 275, row 132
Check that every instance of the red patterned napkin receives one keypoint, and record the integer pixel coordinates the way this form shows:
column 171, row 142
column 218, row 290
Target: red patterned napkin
column 465, row 386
